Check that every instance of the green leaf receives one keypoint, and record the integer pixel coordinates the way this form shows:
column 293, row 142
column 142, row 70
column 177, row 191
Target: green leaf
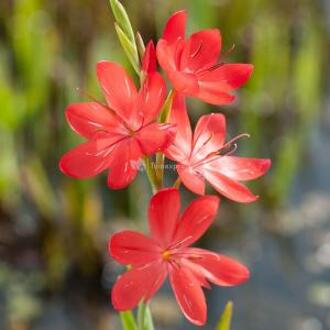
column 122, row 19
column 166, row 110
column 129, row 48
column 144, row 317
column 225, row 319
column 128, row 321
column 140, row 45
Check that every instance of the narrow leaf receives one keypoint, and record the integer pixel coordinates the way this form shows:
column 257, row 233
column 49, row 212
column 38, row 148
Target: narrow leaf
column 225, row 319
column 129, row 48
column 128, row 321
column 122, row 19
column 140, row 45
column 166, row 110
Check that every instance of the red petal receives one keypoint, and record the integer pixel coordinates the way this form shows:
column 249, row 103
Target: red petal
column 230, row 188
column 137, row 284
column 149, row 61
column 216, row 93
column 88, row 119
column 202, row 51
column 123, row 166
column 180, row 149
column 209, row 135
column 216, row 268
column 166, row 55
column 133, row 248
column 88, row 159
column 189, row 295
column 195, row 220
column 241, row 168
column 191, row 179
column 175, row 26
column 151, row 98
column 169, row 58
column 185, row 83
column 155, row 137
column 233, row 75
column 118, row 88
column 164, row 211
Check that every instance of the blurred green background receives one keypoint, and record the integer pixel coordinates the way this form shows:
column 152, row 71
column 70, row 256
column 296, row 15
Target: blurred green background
column 54, row 269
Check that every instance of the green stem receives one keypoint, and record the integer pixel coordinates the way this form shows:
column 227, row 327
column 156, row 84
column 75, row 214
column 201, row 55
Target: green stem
column 166, row 111
column 145, row 321
column 164, row 118
column 128, row 320
column 151, row 174
column 177, row 183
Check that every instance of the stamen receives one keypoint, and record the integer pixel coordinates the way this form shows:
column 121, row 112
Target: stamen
column 236, row 138
column 228, row 149
column 89, row 96
column 229, row 51
column 226, row 54
column 166, row 255
column 197, row 51
column 202, row 145
column 231, row 151
column 216, row 66
column 179, row 243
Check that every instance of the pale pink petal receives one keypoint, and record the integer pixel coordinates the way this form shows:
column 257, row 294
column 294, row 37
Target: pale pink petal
column 209, row 135
column 191, row 179
column 229, row 188
column 180, row 149
column 241, row 168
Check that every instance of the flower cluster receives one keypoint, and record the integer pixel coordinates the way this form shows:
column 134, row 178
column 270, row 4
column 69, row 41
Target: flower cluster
column 133, row 125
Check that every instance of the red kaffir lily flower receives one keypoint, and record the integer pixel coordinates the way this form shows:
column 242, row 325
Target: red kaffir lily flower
column 118, row 133
column 192, row 64
column 204, row 156
column 168, row 252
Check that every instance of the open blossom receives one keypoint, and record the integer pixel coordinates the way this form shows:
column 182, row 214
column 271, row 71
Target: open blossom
column 120, row 132
column 204, row 156
column 168, row 252
column 192, row 64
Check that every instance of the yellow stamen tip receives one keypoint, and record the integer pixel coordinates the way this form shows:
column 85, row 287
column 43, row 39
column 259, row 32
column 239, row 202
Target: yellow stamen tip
column 166, row 255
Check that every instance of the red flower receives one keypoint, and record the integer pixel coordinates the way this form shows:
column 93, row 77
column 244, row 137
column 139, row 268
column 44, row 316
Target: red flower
column 118, row 133
column 204, row 155
column 168, row 251
column 191, row 64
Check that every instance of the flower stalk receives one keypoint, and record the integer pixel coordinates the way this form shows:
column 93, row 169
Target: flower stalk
column 144, row 125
